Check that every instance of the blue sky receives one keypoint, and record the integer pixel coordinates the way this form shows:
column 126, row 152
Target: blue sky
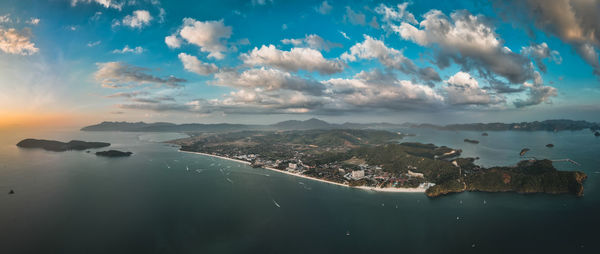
column 266, row 61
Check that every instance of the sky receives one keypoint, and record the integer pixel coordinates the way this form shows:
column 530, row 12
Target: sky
column 78, row 62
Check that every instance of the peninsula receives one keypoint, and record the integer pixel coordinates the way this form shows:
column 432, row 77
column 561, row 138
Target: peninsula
column 378, row 160
column 57, row 146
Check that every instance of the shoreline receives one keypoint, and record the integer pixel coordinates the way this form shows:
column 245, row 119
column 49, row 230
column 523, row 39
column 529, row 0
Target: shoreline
column 365, row 188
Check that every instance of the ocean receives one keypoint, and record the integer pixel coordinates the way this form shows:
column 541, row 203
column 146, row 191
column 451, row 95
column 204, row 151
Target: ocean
column 160, row 200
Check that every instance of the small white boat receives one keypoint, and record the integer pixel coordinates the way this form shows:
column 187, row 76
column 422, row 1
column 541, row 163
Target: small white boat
column 347, row 232
column 187, row 168
column 275, row 202
column 229, row 180
column 484, row 202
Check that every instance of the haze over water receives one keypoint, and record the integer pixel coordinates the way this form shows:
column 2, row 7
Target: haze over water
column 75, row 202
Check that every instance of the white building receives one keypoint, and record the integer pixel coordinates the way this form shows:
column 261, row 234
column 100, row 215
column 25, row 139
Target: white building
column 414, row 174
column 358, row 174
column 292, row 166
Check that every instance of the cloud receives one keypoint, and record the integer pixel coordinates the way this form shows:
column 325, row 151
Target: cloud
column 93, row 43
column 267, row 79
column 375, row 49
column 5, row 19
column 575, row 22
column 539, row 52
column 33, row 21
column 159, row 107
column 261, row 2
column 470, row 41
column 536, row 95
column 192, row 64
column 172, row 41
column 210, row 36
column 106, row 3
column 462, row 89
column 355, row 18
column 324, row 8
column 312, row 41
column 294, row 60
column 17, row 42
column 344, row 35
column 377, row 90
column 137, row 19
column 118, row 74
column 128, row 94
column 389, row 14
column 127, row 49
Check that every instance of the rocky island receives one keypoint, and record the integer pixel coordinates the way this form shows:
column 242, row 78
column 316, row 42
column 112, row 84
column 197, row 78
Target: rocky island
column 57, row 146
column 378, row 160
column 113, row 153
column 472, row 141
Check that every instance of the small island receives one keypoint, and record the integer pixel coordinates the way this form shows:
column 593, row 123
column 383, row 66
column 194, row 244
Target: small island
column 550, row 145
column 114, row 153
column 472, row 141
column 57, row 146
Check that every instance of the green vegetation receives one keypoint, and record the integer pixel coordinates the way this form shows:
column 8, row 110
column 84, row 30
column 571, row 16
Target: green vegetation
column 57, row 146
column 333, row 154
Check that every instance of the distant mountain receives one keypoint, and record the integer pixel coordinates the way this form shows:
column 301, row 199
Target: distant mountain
column 167, row 127
column 313, row 123
column 309, row 124
column 547, row 125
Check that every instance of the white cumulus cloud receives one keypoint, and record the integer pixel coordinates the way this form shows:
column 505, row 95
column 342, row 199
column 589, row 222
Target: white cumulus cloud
column 294, row 60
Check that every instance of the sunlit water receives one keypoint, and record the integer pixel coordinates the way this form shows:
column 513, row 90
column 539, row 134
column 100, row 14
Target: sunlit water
column 163, row 201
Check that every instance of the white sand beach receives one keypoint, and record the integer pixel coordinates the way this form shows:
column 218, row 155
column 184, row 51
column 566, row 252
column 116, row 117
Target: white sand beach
column 410, row 190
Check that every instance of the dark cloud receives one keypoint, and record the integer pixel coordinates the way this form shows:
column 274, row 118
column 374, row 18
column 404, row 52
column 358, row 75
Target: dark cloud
column 575, row 22
column 470, row 41
column 118, row 74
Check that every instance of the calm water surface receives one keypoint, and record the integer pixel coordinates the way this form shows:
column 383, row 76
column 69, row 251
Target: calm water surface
column 75, row 202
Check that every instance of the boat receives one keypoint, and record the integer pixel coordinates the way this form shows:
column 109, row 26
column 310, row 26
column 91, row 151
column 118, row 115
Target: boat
column 347, row 232
column 275, row 202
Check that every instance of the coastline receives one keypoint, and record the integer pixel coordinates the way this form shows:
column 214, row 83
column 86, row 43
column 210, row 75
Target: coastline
column 365, row 188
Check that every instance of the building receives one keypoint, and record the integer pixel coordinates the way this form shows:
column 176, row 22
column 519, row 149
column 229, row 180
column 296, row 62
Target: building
column 358, row 174
column 413, row 174
column 292, row 166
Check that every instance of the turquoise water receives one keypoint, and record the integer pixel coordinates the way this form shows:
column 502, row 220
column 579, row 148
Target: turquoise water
column 75, row 202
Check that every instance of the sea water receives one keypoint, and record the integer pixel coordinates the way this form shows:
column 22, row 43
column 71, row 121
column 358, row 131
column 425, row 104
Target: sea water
column 76, row 202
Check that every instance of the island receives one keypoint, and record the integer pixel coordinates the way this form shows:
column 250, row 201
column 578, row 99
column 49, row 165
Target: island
column 113, row 153
column 550, row 145
column 57, row 146
column 472, row 141
column 378, row 160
